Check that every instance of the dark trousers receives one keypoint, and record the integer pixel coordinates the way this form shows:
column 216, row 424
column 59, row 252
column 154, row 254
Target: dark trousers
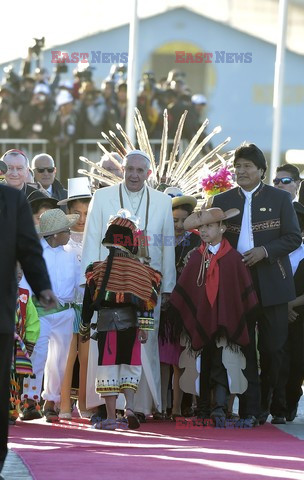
column 213, row 376
column 272, row 334
column 6, row 349
column 296, row 364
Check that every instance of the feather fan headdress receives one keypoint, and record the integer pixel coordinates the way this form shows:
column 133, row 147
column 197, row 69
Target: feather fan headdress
column 183, row 171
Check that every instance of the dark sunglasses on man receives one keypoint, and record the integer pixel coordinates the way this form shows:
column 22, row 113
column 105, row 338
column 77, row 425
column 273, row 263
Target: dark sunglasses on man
column 42, row 170
column 284, row 180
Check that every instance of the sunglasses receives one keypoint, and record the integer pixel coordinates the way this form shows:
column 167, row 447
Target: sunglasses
column 284, row 180
column 49, row 170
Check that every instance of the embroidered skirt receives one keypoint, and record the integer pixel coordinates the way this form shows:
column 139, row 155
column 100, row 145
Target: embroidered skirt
column 119, row 361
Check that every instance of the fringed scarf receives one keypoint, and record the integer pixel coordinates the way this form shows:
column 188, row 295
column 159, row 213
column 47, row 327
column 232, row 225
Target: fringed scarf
column 130, row 282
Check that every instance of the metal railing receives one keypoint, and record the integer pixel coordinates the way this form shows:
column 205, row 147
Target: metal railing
column 67, row 159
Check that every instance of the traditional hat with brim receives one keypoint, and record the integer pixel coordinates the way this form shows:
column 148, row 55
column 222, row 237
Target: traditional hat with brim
column 179, row 199
column 55, row 221
column 78, row 189
column 210, row 215
column 36, row 197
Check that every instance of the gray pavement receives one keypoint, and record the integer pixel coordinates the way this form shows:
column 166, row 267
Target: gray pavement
column 14, row 468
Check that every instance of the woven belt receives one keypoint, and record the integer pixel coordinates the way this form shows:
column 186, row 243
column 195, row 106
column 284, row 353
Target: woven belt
column 42, row 312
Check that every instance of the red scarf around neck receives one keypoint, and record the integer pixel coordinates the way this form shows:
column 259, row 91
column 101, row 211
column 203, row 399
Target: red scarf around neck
column 212, row 275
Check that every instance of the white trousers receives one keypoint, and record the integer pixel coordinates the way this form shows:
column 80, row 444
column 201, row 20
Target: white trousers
column 148, row 395
column 50, row 356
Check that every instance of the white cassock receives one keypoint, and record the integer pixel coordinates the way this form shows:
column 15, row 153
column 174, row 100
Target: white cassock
column 160, row 232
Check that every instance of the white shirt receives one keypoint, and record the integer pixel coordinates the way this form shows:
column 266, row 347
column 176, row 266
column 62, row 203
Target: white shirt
column 50, row 190
column 214, row 248
column 295, row 257
column 246, row 241
column 75, row 245
column 134, row 197
column 64, row 271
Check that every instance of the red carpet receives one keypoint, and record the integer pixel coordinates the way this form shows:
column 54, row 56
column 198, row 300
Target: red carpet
column 72, row 451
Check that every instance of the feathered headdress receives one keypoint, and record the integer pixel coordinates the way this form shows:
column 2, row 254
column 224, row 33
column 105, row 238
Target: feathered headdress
column 181, row 171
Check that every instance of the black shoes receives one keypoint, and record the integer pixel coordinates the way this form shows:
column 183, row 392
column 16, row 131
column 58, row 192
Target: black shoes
column 278, row 420
column 291, row 415
column 251, row 421
column 218, row 416
column 30, row 413
column 141, row 417
column 263, row 417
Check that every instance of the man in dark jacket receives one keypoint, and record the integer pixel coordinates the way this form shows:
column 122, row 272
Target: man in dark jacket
column 18, row 241
column 45, row 173
column 265, row 232
column 17, row 171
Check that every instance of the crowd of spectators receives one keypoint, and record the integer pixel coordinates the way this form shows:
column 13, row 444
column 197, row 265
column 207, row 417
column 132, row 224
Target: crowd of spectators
column 48, row 106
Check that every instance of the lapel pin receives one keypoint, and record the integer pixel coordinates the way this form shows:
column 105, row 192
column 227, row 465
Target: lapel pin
column 263, row 209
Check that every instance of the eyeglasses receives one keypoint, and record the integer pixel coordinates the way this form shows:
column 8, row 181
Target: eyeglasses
column 284, row 180
column 49, row 170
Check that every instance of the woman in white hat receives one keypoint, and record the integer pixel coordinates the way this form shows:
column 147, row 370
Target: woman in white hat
column 77, row 202
column 56, row 326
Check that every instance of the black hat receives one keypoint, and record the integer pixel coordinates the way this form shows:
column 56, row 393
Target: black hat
column 37, row 196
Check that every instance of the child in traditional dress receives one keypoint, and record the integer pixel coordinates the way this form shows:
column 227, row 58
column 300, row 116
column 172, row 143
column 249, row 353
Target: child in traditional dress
column 26, row 335
column 119, row 288
column 211, row 299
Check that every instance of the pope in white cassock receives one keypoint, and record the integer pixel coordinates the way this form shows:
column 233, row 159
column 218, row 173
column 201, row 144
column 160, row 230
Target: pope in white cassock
column 154, row 211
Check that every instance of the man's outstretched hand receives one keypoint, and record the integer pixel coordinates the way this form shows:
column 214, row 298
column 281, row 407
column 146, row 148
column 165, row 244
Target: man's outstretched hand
column 47, row 299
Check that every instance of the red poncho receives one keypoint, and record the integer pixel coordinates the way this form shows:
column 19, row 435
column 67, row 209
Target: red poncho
column 219, row 306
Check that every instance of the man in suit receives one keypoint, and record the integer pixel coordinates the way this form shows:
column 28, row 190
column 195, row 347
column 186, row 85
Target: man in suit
column 44, row 169
column 265, row 232
column 154, row 211
column 17, row 171
column 18, row 241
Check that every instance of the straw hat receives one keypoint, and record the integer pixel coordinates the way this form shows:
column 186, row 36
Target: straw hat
column 210, row 215
column 78, row 188
column 179, row 199
column 55, row 221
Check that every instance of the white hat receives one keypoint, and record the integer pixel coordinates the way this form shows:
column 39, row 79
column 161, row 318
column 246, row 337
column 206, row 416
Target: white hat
column 66, row 84
column 138, row 152
column 55, row 221
column 199, row 99
column 63, row 98
column 78, row 188
column 42, row 88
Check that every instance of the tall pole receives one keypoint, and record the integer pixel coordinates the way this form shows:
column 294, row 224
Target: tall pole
column 132, row 72
column 278, row 87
